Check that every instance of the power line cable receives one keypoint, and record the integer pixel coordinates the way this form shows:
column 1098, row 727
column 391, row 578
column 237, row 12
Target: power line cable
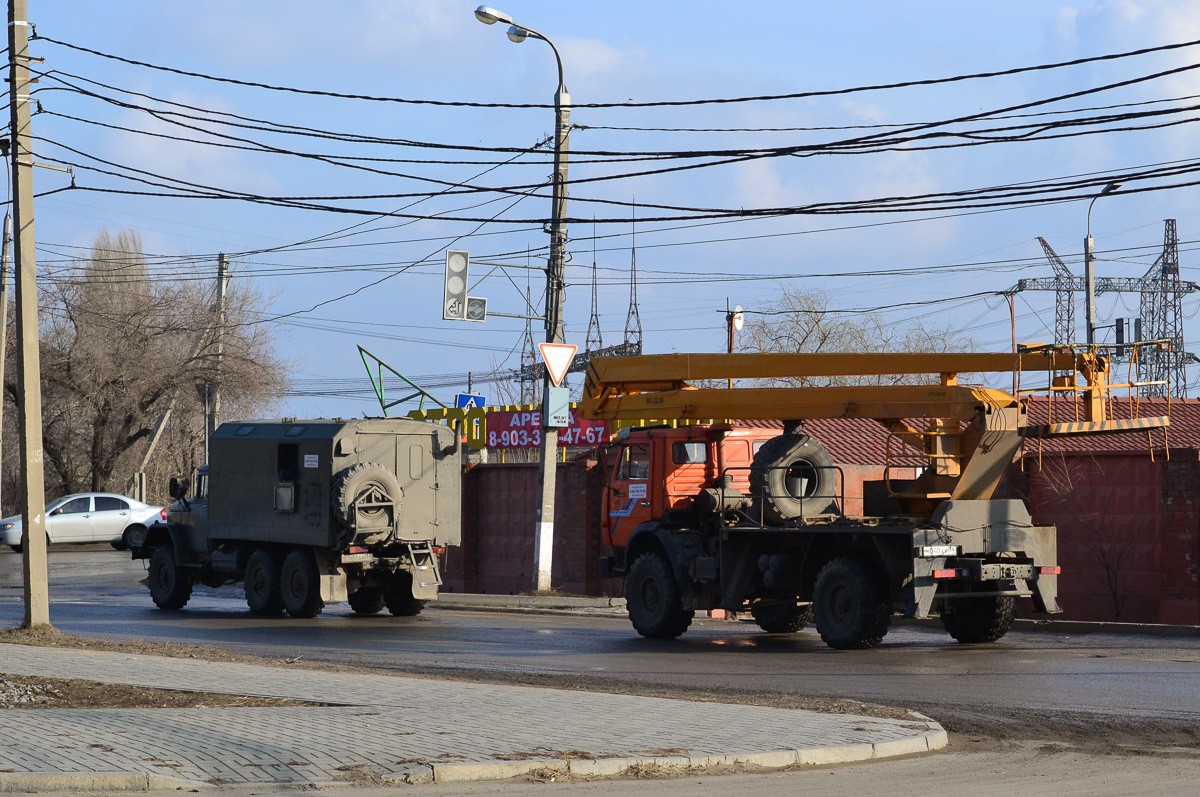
column 630, row 104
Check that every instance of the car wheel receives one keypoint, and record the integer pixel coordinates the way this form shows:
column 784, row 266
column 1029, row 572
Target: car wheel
column 16, row 548
column 125, row 543
column 301, row 584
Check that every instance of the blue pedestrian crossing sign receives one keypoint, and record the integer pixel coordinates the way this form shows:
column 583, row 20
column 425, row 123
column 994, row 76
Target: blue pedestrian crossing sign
column 466, row 401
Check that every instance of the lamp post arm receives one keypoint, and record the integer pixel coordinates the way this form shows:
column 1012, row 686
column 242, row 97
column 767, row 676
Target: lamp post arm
column 562, row 84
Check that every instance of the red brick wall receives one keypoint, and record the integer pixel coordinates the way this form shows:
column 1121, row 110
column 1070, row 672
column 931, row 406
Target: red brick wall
column 499, row 506
column 1180, row 598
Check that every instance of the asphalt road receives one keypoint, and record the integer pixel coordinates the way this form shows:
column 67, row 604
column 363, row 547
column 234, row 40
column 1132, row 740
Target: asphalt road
column 1107, row 690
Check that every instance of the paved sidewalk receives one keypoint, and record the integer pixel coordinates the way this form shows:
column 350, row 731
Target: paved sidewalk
column 403, row 728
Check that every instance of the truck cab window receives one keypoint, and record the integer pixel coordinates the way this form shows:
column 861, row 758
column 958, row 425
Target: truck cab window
column 635, row 463
column 288, row 462
column 688, row 453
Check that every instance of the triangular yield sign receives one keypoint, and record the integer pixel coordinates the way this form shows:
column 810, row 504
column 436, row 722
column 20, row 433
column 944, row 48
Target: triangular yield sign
column 558, row 358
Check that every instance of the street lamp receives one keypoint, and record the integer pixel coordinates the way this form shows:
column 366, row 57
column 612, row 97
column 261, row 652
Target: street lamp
column 1089, row 275
column 555, row 282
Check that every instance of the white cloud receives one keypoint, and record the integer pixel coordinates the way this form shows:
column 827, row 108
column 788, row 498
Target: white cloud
column 593, row 61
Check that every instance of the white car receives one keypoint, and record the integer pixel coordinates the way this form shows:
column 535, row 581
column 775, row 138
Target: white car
column 87, row 517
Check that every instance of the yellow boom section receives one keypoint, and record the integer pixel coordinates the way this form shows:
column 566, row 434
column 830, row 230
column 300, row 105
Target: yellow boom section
column 968, row 435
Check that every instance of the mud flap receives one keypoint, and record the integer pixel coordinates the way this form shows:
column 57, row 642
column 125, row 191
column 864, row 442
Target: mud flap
column 334, row 588
column 427, row 592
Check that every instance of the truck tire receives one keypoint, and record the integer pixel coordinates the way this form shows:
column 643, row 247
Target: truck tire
column 790, row 477
column 781, row 618
column 357, row 481
column 653, row 599
column 979, row 620
column 170, row 585
column 850, row 605
column 366, row 600
column 398, row 597
column 263, row 574
column 300, row 583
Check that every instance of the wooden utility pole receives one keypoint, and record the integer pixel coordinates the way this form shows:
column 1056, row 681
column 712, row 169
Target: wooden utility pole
column 29, row 388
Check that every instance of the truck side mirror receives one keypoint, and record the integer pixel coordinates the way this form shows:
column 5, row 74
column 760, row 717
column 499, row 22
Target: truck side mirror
column 177, row 489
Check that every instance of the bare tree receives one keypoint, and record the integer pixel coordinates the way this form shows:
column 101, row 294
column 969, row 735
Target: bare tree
column 118, row 342
column 809, row 321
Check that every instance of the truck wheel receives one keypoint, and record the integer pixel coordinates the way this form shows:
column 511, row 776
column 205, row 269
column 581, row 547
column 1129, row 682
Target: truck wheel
column 850, row 605
column 790, row 477
column 978, row 620
column 170, row 585
column 300, row 583
column 263, row 592
column 367, row 482
column 781, row 618
column 366, row 600
column 653, row 599
column 399, row 598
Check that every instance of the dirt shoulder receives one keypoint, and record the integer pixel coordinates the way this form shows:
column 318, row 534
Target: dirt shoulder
column 34, row 692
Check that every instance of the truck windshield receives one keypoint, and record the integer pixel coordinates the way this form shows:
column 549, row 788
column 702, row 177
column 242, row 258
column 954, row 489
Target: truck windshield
column 201, row 485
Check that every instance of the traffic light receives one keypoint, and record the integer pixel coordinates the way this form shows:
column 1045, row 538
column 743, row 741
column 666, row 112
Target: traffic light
column 454, row 305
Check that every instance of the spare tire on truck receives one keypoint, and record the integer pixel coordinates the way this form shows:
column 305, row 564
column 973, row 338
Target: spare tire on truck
column 365, row 490
column 792, row 476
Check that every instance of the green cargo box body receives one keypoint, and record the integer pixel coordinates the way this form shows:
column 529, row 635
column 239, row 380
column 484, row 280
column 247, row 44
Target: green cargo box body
column 250, row 460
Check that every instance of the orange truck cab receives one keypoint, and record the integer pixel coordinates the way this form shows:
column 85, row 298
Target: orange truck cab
column 657, row 472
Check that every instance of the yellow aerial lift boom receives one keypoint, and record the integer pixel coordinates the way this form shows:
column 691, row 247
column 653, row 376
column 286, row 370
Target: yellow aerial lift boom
column 969, row 433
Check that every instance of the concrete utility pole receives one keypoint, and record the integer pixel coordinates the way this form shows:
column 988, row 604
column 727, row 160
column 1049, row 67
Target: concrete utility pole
column 222, row 284
column 29, row 388
column 5, row 261
column 543, row 549
column 1089, row 272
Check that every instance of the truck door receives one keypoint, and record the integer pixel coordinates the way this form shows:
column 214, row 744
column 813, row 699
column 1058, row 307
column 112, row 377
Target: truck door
column 628, row 497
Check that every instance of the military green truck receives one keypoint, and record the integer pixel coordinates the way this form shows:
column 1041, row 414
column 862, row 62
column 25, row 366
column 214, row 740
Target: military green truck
column 309, row 512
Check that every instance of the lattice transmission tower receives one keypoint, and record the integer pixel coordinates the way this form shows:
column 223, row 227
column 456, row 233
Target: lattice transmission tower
column 1160, row 311
column 1162, row 319
column 633, row 321
column 595, row 338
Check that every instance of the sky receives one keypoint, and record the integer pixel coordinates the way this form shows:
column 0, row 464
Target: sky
column 379, row 284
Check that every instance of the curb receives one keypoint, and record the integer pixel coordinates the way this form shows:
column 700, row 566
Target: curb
column 95, row 781
column 1077, row 627
column 465, row 600
column 464, row 772
column 617, row 767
